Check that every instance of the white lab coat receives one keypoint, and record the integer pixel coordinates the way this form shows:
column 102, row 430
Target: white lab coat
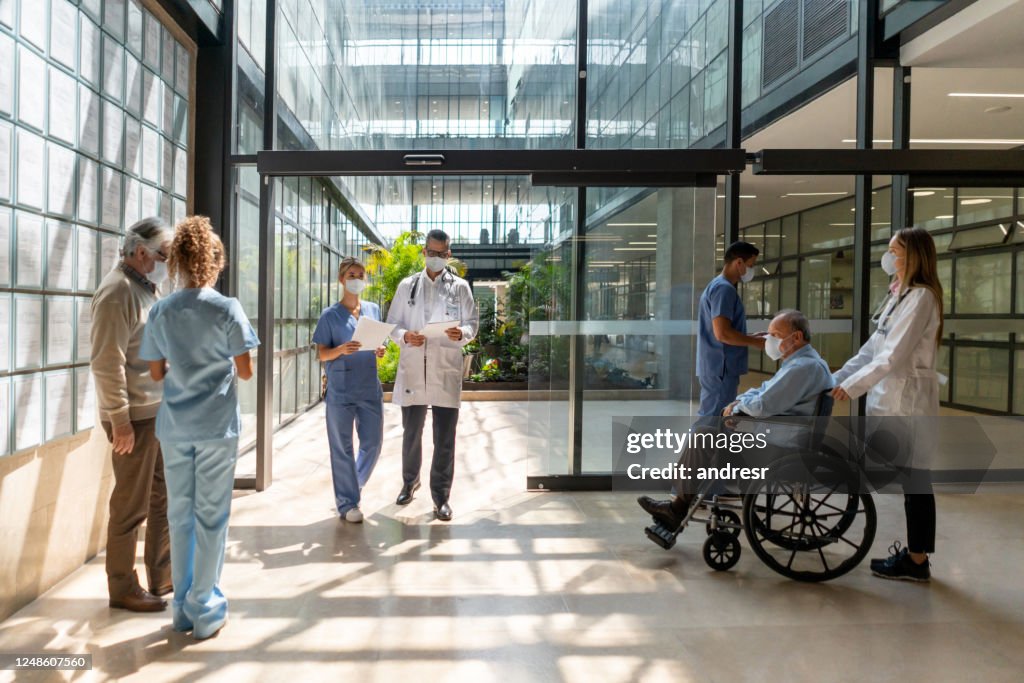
column 896, row 366
column 431, row 374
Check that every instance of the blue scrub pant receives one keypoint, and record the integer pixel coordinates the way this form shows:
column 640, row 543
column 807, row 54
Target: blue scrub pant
column 200, row 476
column 716, row 393
column 351, row 471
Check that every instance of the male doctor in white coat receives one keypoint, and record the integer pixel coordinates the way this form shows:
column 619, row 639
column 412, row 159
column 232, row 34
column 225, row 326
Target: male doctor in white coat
column 430, row 370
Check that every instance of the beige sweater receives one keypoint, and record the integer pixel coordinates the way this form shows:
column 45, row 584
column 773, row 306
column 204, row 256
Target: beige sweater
column 124, row 389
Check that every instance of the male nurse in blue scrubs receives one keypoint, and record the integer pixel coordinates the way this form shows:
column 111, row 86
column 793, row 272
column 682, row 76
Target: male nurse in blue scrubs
column 722, row 339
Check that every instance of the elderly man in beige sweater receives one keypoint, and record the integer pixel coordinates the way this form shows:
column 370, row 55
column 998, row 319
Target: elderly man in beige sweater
column 128, row 399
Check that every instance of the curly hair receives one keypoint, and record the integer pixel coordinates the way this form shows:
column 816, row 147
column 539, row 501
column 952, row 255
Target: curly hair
column 197, row 254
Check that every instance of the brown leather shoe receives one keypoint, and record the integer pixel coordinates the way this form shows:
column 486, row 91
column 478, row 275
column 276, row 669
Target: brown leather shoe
column 139, row 600
column 162, row 589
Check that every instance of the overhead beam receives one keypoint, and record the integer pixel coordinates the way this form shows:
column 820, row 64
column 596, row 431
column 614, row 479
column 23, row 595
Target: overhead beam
column 923, row 162
column 504, row 162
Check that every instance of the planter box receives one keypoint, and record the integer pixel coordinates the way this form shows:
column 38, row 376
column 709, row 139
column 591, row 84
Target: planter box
column 477, row 386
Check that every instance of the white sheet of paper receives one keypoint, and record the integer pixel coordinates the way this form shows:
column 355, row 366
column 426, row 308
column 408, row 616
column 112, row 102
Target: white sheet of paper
column 29, row 247
column 135, row 28
column 60, row 313
column 85, row 399
column 83, row 349
column 371, row 333
column 60, row 250
column 28, row 333
column 28, row 411
column 152, row 96
column 131, row 201
column 133, row 145
column 5, row 335
column 58, row 404
column 437, row 330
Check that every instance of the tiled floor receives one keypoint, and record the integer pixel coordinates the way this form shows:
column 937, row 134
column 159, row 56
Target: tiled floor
column 539, row 587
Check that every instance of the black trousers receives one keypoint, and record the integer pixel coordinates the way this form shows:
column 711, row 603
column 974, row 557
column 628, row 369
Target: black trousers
column 442, row 465
column 920, row 510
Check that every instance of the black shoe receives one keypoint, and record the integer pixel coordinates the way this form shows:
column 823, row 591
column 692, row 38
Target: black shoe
column 899, row 566
column 405, row 495
column 661, row 511
column 443, row 512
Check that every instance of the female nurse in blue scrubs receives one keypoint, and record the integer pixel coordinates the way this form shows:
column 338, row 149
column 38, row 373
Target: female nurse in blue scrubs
column 198, row 342
column 354, row 396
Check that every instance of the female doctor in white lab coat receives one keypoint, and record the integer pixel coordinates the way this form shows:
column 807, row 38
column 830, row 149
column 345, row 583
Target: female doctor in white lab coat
column 896, row 369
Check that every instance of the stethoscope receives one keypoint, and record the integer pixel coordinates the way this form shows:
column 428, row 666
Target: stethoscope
column 449, row 297
column 882, row 316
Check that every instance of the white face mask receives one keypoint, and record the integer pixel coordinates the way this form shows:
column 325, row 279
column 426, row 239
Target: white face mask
column 435, row 264
column 749, row 275
column 159, row 273
column 355, row 286
column 773, row 347
column 889, row 263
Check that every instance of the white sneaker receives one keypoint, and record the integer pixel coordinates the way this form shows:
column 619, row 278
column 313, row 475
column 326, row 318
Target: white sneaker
column 354, row 515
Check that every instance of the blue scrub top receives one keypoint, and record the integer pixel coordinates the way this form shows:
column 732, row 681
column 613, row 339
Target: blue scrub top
column 715, row 359
column 198, row 332
column 353, row 377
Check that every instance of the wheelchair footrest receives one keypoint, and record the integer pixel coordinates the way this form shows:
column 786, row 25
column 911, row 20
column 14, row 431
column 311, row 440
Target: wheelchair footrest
column 663, row 536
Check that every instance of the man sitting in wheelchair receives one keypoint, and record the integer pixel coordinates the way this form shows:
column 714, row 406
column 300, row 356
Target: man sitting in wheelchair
column 792, row 391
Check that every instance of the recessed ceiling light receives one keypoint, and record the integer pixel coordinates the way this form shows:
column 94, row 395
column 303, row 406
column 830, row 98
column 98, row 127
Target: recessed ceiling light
column 924, row 193
column 977, row 200
column 987, row 94
column 815, row 194
column 955, row 141
column 944, row 217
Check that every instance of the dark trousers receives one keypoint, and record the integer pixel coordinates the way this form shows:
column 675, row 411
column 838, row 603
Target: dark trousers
column 920, row 509
column 442, row 465
column 139, row 495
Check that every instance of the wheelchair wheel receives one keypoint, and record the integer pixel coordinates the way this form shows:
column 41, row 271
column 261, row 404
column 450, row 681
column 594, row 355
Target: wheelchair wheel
column 725, row 517
column 721, row 551
column 806, row 521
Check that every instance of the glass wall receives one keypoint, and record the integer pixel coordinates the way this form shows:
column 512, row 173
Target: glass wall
column 312, row 234
column 94, row 135
column 979, row 235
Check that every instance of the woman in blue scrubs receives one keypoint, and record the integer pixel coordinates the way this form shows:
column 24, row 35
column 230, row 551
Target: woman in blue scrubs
column 198, row 342
column 354, row 395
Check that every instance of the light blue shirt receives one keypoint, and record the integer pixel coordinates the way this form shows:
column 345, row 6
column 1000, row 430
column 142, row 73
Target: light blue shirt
column 353, row 377
column 714, row 358
column 199, row 332
column 793, row 390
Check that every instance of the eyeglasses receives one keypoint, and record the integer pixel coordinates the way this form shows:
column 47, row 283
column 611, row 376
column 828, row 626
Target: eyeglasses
column 432, row 253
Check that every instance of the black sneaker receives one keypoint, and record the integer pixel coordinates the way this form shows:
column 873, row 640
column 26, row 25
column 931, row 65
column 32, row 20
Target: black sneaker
column 661, row 511
column 899, row 566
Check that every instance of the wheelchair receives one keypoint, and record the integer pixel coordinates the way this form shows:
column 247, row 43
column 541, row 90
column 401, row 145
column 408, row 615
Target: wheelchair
column 805, row 519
